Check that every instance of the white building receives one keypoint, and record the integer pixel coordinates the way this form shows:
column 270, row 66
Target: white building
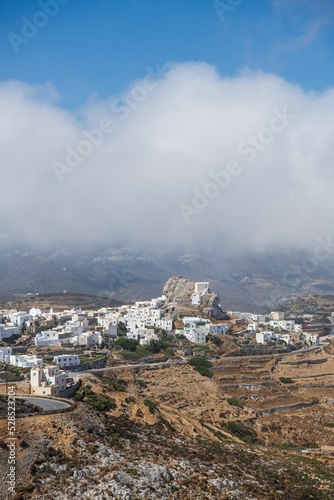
column 197, row 320
column 284, row 324
column 201, row 287
column 20, row 317
column 165, row 324
column 48, row 337
column 5, row 354
column 158, row 302
column 47, row 381
column 252, row 327
column 111, row 330
column 147, row 338
column 36, row 313
column 87, row 339
column 263, row 337
column 7, row 331
column 75, row 328
column 197, row 335
column 258, row 318
column 216, row 329
column 23, row 361
column 67, row 360
column 312, row 338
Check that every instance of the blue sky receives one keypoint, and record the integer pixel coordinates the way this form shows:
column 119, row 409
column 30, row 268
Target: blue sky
column 100, row 46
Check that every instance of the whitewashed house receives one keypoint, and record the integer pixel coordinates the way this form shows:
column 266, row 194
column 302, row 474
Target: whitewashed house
column 7, row 331
column 47, row 381
column 201, row 287
column 47, row 337
column 284, row 324
column 165, row 324
column 252, row 327
column 264, row 337
column 23, row 361
column 216, row 329
column 158, row 302
column 67, row 360
column 19, row 318
column 312, row 338
column 197, row 335
column 5, row 354
column 87, row 339
column 147, row 338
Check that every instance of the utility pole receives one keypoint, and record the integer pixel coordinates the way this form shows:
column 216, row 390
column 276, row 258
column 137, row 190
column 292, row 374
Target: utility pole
column 6, row 380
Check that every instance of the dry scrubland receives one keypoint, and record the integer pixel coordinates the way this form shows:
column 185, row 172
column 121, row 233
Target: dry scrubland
column 172, row 433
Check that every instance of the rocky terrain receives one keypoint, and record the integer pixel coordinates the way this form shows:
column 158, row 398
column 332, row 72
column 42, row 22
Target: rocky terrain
column 179, row 291
column 168, row 432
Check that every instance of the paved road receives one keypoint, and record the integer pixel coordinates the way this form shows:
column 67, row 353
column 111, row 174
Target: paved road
column 46, row 404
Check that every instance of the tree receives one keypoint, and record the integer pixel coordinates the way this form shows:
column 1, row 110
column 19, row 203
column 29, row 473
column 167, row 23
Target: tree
column 121, row 329
column 154, row 346
column 127, row 344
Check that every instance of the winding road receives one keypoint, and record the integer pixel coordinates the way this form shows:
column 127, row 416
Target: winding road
column 46, row 404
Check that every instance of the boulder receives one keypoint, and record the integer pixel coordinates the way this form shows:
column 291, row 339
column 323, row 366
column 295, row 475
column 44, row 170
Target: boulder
column 179, row 292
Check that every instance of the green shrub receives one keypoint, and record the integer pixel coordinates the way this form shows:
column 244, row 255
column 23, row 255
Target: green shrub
column 151, row 406
column 141, row 383
column 286, row 380
column 234, row 402
column 166, row 423
column 201, row 365
column 241, row 431
column 134, row 355
column 200, row 361
column 100, row 402
column 127, row 344
column 205, row 372
column 117, row 385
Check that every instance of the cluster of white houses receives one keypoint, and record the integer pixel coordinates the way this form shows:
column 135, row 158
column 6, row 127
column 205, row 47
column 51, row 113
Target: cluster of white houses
column 196, row 329
column 44, row 380
column 29, row 361
column 140, row 321
column 283, row 328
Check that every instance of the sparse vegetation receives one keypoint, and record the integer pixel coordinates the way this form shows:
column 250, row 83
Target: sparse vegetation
column 114, row 384
column 242, row 431
column 151, row 406
column 286, row 380
column 141, row 383
column 201, row 365
column 234, row 402
column 101, row 402
column 127, row 344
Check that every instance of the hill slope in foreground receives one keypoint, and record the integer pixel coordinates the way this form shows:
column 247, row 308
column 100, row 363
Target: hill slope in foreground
column 166, row 432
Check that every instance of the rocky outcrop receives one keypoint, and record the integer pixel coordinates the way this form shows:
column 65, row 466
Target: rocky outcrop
column 179, row 292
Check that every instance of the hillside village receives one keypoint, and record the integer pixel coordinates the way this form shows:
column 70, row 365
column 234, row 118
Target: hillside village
column 167, row 387
column 51, row 348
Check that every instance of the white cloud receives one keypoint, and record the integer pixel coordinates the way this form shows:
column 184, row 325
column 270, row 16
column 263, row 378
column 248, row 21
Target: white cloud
column 130, row 187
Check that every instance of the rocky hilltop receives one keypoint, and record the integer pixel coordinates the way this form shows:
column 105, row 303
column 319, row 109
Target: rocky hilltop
column 179, row 293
